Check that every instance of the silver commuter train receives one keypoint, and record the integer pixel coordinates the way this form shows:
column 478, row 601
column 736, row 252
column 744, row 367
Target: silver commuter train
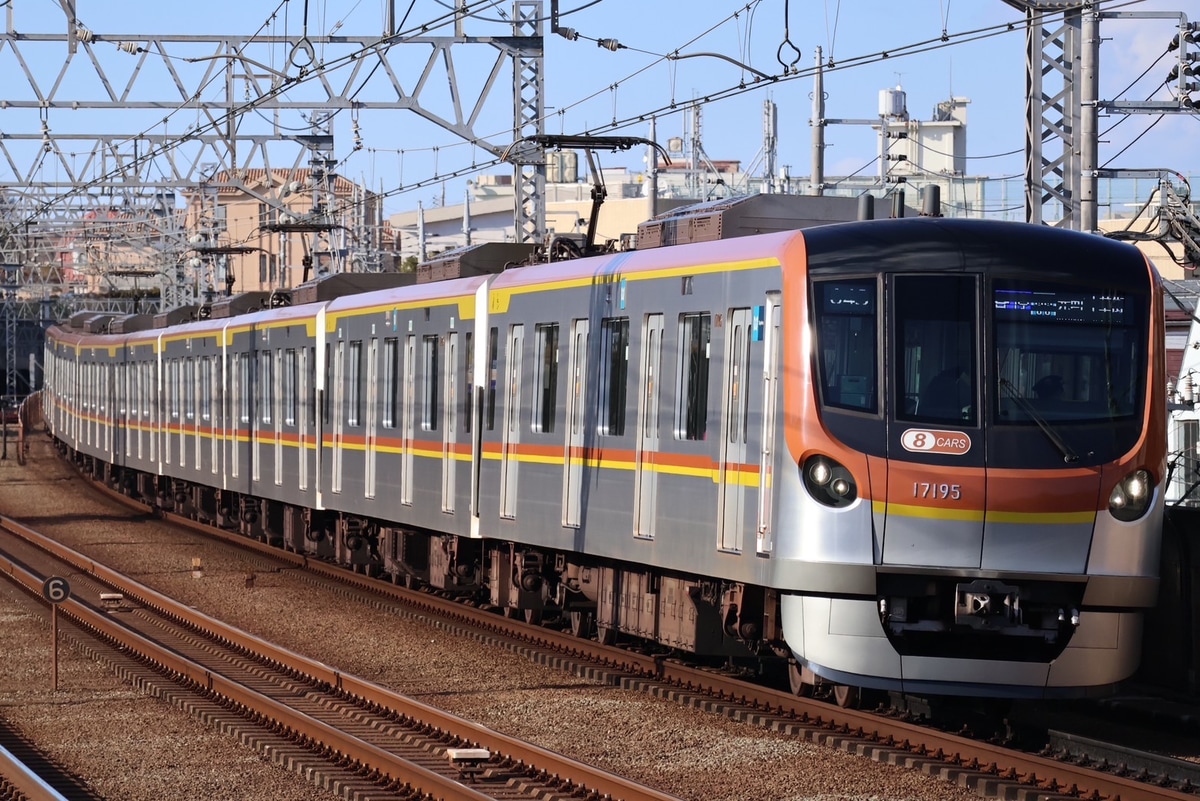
column 921, row 455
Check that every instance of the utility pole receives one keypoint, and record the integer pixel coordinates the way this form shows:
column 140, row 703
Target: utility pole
column 817, row 186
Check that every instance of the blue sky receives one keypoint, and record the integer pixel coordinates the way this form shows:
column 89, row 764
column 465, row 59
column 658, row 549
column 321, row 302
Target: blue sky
column 587, row 86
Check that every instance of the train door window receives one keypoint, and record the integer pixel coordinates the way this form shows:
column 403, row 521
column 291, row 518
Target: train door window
column 936, row 343
column 391, row 382
column 266, row 382
column 847, row 342
column 206, row 389
column 469, row 382
column 493, row 347
column 244, row 396
column 429, row 383
column 312, row 386
column 354, row 385
column 189, row 389
column 176, row 394
column 290, row 376
column 329, row 386
column 545, row 383
column 691, row 410
column 614, row 374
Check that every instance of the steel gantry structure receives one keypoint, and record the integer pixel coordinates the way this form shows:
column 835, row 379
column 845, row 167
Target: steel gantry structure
column 198, row 107
column 1062, row 67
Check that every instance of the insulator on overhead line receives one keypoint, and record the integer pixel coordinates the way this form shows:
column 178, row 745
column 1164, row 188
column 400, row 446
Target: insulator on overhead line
column 132, row 48
column 569, row 34
column 84, row 35
column 610, row 44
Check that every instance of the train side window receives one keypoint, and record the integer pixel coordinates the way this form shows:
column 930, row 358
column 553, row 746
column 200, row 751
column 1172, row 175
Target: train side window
column 847, row 344
column 691, row 401
column 545, row 393
column 354, row 385
column 936, row 346
column 391, row 381
column 429, row 383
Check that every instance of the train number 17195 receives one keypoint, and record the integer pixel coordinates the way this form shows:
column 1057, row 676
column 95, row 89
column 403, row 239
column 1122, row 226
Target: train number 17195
column 943, row 492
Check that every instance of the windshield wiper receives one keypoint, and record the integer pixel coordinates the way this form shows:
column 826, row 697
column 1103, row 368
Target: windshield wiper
column 1027, row 407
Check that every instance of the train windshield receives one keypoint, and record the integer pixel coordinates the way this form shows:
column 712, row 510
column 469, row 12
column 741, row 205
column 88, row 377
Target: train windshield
column 847, row 342
column 1066, row 355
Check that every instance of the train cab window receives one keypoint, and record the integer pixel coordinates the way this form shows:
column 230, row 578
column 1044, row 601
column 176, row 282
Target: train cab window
column 429, row 383
column 1067, row 356
column 846, row 322
column 614, row 374
column 545, row 392
column 691, row 410
column 936, row 344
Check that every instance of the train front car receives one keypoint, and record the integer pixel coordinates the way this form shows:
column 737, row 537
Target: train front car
column 976, row 412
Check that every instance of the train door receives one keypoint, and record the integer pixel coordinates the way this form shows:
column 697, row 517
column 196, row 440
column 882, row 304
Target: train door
column 277, row 383
column 645, row 482
column 409, row 419
column 449, row 421
column 302, row 415
column 734, row 416
column 576, row 424
column 511, row 435
column 766, row 458
column 371, row 431
column 214, row 418
column 936, row 482
column 339, row 394
column 238, row 390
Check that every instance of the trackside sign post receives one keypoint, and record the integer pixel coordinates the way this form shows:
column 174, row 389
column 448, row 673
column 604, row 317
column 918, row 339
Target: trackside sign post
column 55, row 589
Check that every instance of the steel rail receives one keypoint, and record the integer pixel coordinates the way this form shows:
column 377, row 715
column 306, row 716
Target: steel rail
column 592, row 779
column 19, row 778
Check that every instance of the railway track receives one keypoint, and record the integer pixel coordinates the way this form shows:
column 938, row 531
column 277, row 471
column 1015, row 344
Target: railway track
column 991, row 769
column 363, row 738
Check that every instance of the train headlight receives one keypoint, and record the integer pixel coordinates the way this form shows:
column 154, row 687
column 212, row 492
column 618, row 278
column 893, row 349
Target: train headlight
column 829, row 482
column 1131, row 496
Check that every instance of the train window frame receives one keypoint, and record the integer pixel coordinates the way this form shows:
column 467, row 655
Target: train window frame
column 863, row 395
column 948, row 393
column 694, row 376
column 545, row 378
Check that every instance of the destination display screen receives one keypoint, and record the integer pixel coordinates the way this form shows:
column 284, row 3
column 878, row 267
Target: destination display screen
column 1048, row 306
